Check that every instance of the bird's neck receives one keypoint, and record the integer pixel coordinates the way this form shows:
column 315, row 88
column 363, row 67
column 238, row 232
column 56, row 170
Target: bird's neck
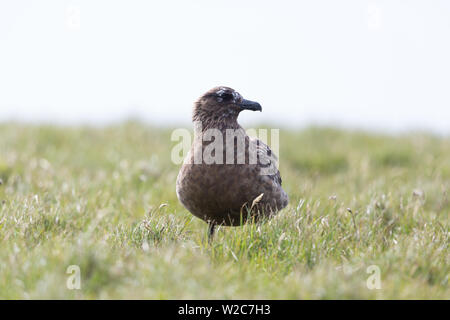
column 220, row 123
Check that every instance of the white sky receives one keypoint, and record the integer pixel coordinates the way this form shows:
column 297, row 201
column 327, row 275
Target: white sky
column 381, row 65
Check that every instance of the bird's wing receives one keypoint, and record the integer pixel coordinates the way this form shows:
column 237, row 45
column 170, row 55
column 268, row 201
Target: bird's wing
column 267, row 160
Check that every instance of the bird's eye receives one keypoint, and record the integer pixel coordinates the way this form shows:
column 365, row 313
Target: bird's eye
column 226, row 96
column 223, row 96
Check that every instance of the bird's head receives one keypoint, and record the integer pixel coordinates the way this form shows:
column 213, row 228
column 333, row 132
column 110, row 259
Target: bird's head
column 222, row 104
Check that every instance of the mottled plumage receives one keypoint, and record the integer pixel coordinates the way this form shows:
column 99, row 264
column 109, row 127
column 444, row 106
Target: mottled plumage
column 219, row 193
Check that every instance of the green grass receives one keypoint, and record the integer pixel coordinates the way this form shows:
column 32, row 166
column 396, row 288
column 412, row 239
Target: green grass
column 104, row 199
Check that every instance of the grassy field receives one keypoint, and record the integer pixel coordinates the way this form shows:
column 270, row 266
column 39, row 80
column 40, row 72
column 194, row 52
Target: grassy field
column 104, row 200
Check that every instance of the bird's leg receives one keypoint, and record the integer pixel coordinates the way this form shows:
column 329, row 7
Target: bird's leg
column 211, row 228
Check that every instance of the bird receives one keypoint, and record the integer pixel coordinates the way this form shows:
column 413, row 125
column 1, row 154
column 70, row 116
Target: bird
column 218, row 182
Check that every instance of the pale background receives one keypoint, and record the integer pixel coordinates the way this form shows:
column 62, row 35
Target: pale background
column 376, row 65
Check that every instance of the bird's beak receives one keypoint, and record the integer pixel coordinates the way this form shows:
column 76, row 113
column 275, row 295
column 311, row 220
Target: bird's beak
column 250, row 105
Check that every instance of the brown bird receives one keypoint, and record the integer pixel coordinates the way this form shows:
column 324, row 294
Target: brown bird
column 227, row 176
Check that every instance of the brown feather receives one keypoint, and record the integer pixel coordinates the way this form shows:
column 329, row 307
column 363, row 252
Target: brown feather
column 217, row 192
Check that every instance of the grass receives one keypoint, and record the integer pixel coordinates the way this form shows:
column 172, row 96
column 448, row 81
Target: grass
column 104, row 199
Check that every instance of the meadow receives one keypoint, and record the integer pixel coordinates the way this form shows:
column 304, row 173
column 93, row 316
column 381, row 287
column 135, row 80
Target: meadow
column 368, row 219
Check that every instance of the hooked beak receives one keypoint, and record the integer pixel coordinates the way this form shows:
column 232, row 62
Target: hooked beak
column 250, row 105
